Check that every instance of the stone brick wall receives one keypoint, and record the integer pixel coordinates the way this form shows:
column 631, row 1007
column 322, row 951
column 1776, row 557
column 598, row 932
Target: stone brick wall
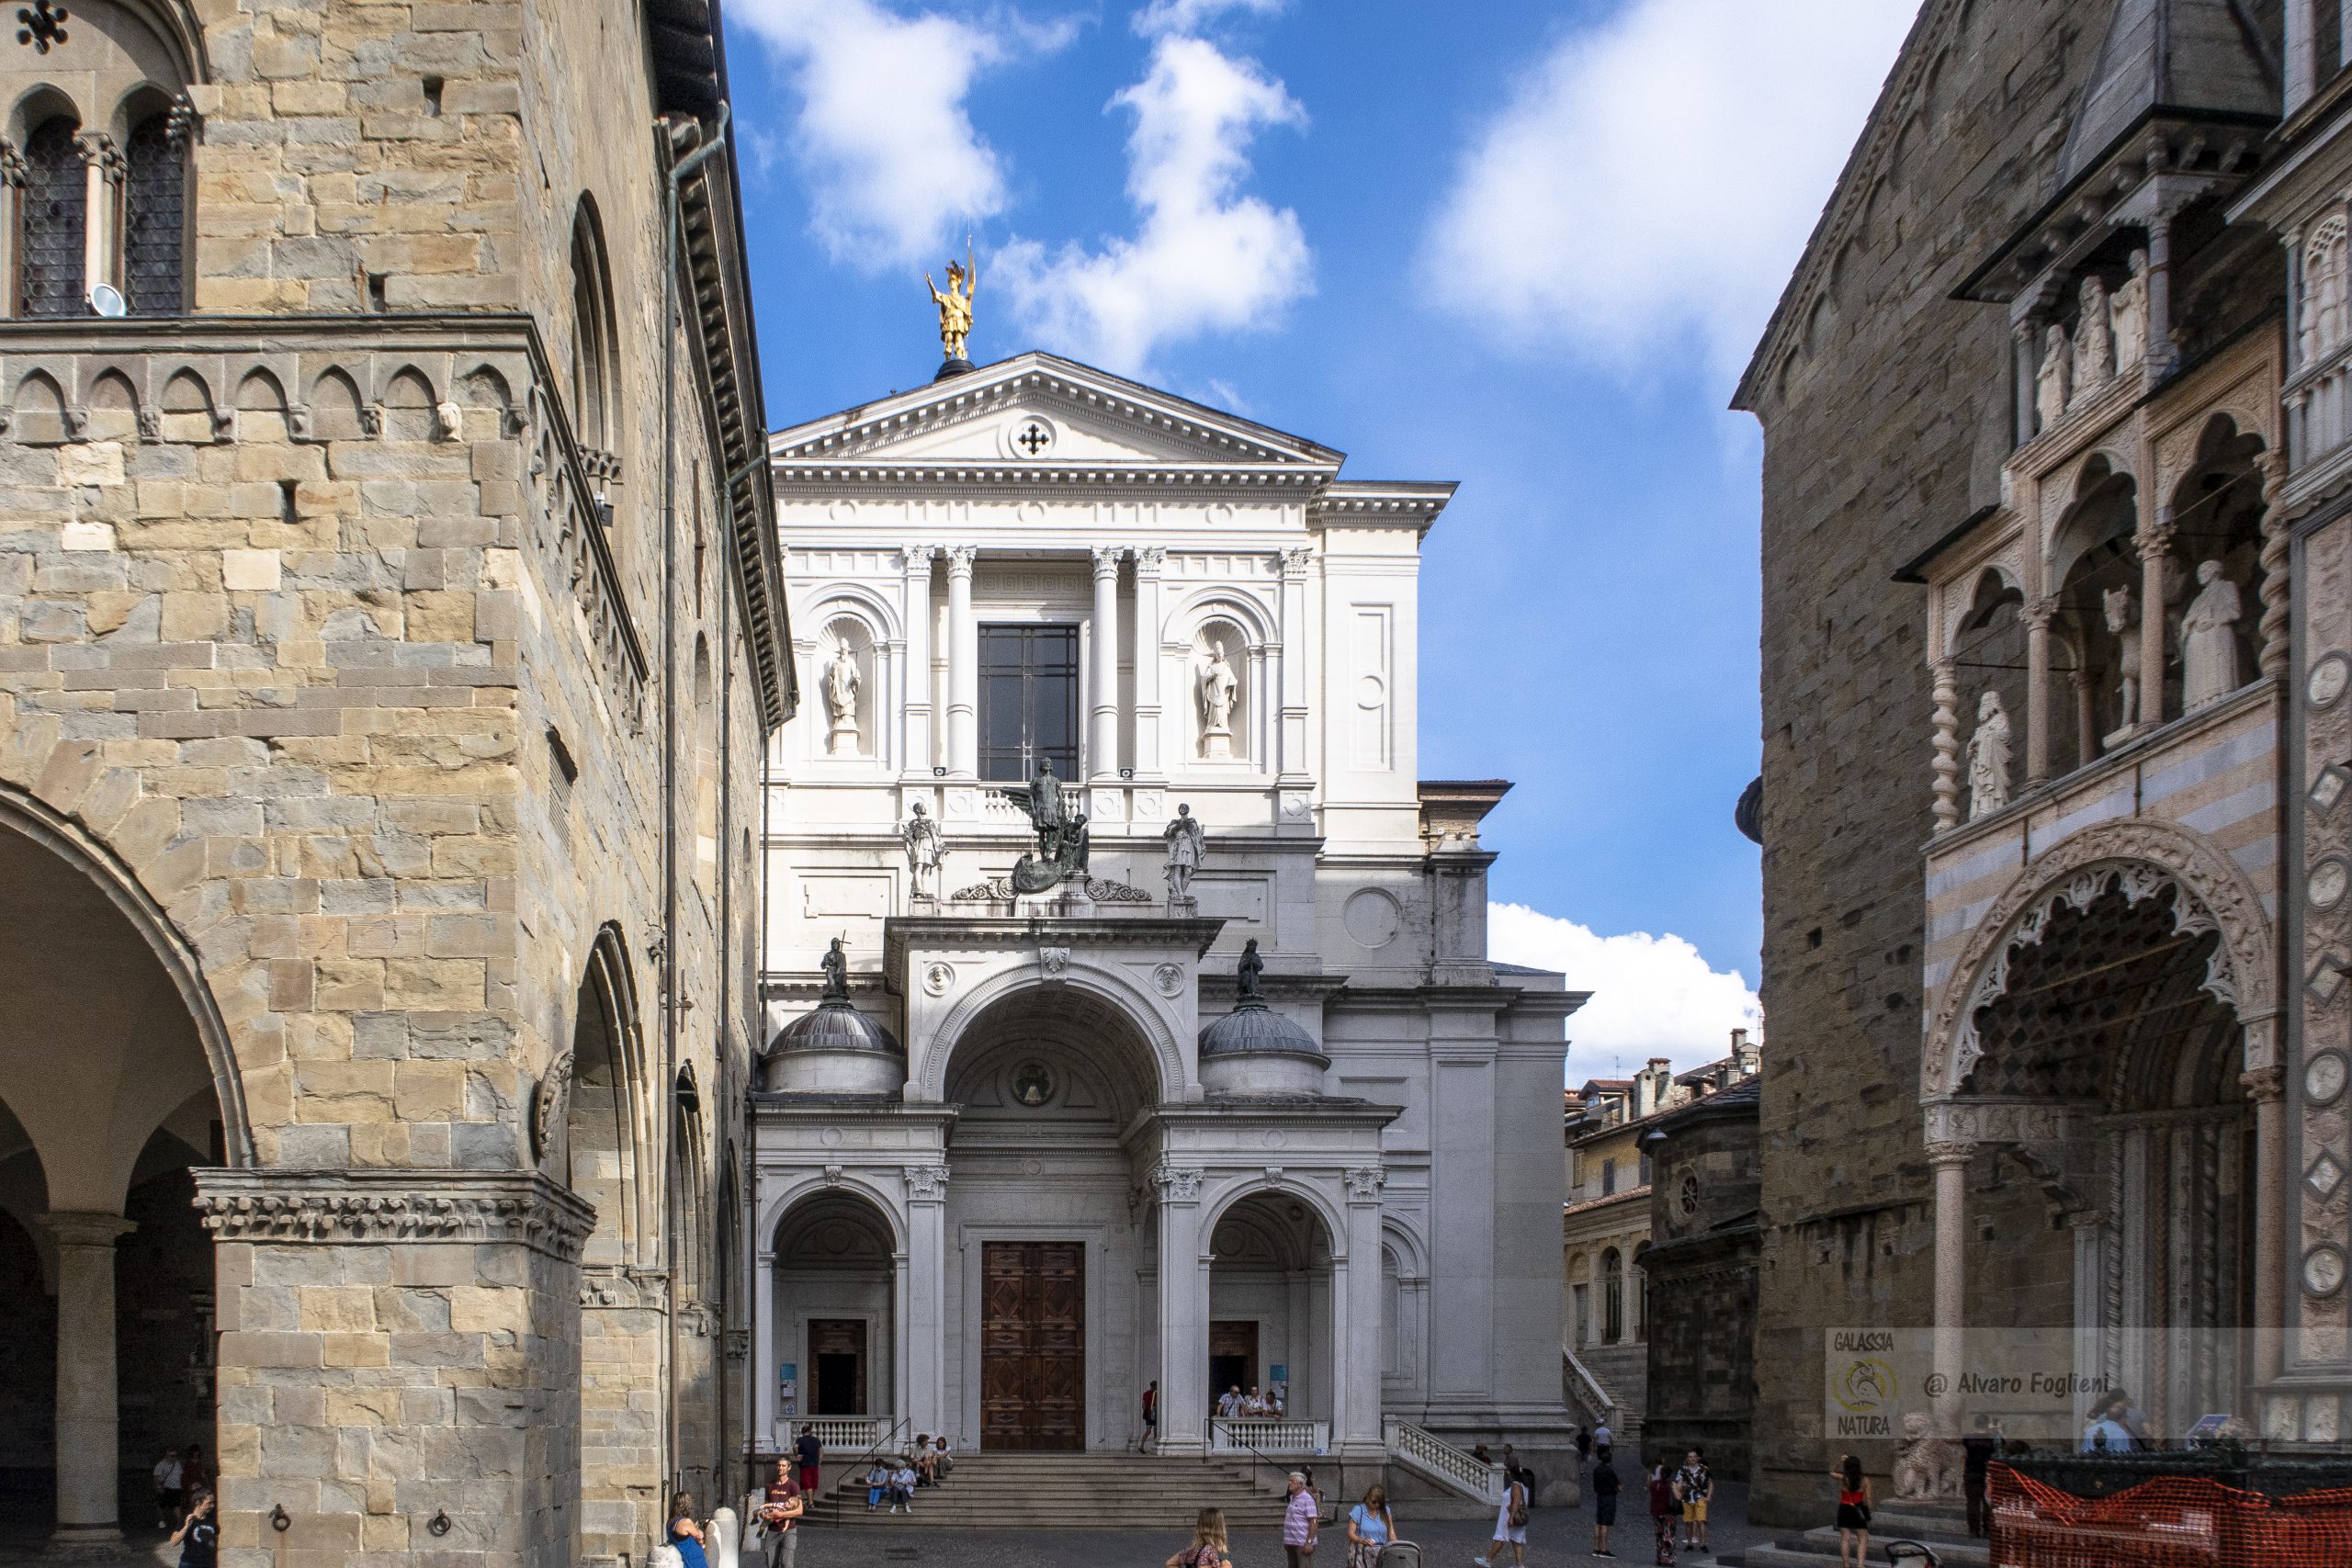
column 1703, row 1266
column 1885, row 411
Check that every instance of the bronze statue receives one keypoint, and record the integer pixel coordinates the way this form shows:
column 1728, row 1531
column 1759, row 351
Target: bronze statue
column 835, row 963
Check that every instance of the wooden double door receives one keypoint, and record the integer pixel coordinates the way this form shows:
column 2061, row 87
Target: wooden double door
column 1033, row 1345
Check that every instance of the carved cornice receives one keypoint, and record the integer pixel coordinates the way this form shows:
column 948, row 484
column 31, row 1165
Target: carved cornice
column 1974, row 1121
column 374, row 1207
column 2138, row 857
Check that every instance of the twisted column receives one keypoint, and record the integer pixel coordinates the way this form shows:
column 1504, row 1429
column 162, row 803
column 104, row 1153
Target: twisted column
column 1947, row 763
column 2276, row 589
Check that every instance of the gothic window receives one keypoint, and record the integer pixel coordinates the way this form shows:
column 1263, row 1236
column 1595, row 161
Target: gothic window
column 56, row 201
column 592, row 333
column 1612, row 1296
column 154, row 214
column 1028, row 701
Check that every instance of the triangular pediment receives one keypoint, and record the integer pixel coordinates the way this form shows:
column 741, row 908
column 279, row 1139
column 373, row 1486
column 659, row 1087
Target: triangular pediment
column 1040, row 409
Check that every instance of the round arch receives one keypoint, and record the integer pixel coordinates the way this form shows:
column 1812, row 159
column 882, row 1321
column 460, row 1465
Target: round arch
column 1081, row 973
column 1222, row 602
column 61, row 836
column 2141, row 856
column 1218, row 1200
column 831, row 601
column 812, row 1187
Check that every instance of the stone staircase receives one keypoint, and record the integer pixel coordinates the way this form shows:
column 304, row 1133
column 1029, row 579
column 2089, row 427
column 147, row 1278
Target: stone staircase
column 1076, row 1491
column 1620, row 1375
column 1942, row 1526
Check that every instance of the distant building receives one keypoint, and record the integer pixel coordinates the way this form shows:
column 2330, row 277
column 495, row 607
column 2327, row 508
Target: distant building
column 1605, row 1302
column 1700, row 1265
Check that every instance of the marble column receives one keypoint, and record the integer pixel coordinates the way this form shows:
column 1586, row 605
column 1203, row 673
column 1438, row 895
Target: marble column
column 763, row 1355
column 12, row 227
column 1355, row 1323
column 924, row 1315
column 1946, row 767
column 1950, row 1163
column 88, row 1452
column 2162, row 356
column 102, row 218
column 2154, row 544
column 962, row 666
column 918, row 757
column 2266, row 1086
column 2024, row 333
column 2038, row 616
column 1150, row 559
column 1183, row 1314
column 1103, row 680
column 2090, row 1309
column 2302, row 52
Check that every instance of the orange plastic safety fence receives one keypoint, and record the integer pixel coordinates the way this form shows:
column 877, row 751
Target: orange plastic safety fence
column 2169, row 1522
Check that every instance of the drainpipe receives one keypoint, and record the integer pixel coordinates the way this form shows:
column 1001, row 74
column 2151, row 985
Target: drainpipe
column 672, row 222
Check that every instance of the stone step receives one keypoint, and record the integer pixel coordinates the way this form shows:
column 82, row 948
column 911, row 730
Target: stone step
column 1817, row 1547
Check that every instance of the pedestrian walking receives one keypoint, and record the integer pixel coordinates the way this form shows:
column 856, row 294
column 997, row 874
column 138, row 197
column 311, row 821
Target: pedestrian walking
column 1604, row 1500
column 198, row 1536
column 1302, row 1521
column 1510, row 1522
column 1853, row 1513
column 1370, row 1526
column 1151, row 1417
column 810, row 1451
column 780, row 1511
column 1977, row 1449
column 168, row 1490
column 685, row 1534
column 1207, row 1549
column 1665, row 1508
column 1696, row 1484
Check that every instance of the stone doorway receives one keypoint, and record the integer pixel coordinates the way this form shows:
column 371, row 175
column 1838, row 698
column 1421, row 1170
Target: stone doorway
column 837, row 1354
column 1033, row 1350
column 1233, row 1357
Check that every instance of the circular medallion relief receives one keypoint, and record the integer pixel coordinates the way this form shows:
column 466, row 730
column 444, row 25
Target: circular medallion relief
column 2327, row 883
column 833, row 1137
column 2327, row 680
column 2324, row 1076
column 937, row 977
column 1372, row 917
column 1170, row 978
column 2324, row 1270
column 1031, row 436
column 1032, row 1084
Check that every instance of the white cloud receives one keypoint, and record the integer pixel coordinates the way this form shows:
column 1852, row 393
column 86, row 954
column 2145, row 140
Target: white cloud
column 1188, row 15
column 1652, row 996
column 1204, row 258
column 1648, row 186
column 894, row 168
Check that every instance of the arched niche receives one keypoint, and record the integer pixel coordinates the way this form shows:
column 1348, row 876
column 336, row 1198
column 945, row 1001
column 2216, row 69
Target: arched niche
column 833, row 1255
column 849, row 707
column 1094, row 1008
column 601, row 1153
column 1269, row 1269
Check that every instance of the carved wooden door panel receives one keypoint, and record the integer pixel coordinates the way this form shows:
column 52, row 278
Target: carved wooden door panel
column 1033, row 1345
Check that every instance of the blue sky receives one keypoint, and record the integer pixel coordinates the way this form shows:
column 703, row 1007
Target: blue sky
column 1524, row 246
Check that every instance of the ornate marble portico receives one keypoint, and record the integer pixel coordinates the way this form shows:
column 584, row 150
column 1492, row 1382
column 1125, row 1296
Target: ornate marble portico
column 1162, row 1036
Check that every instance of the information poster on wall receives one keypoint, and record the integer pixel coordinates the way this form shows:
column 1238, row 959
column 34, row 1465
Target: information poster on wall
column 788, row 1388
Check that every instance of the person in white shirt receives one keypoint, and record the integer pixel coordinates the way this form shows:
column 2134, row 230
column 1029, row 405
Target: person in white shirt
column 902, row 1488
column 1255, row 1404
column 169, row 1478
column 1229, row 1403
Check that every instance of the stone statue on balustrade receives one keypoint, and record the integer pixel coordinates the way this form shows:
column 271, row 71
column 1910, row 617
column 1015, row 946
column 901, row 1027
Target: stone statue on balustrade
column 2094, row 341
column 840, row 702
column 2050, row 382
column 1187, row 847
column 921, row 835
column 1988, row 758
column 1219, row 687
column 2209, row 640
column 835, row 964
column 2127, row 315
column 2123, row 620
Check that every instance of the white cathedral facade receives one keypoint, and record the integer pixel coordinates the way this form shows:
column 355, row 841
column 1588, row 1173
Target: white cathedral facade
column 1094, row 1097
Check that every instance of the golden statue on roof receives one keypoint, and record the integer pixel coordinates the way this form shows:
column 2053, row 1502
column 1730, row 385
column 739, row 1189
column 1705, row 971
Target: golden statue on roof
column 955, row 306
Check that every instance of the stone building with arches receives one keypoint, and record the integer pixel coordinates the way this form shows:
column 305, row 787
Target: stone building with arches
column 390, row 617
column 1036, row 1152
column 2053, row 589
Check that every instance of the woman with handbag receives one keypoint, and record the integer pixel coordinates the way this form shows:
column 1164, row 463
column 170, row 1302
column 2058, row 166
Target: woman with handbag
column 1853, row 1512
column 1510, row 1522
column 1370, row 1526
column 1208, row 1549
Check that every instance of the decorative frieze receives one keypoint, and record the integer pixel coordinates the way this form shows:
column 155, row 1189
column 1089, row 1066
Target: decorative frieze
column 518, row 1208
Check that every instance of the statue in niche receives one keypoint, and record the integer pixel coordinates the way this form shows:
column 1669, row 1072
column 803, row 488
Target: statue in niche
column 835, row 963
column 2123, row 621
column 1988, row 758
column 841, row 685
column 2127, row 315
column 2050, row 387
column 2209, row 640
column 1219, row 687
column 921, row 834
column 2094, row 340
column 1187, row 847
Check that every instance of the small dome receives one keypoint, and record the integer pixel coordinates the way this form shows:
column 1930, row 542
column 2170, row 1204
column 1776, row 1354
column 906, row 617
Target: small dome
column 1252, row 1027
column 835, row 1025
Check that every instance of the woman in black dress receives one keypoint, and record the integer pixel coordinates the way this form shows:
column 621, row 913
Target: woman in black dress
column 1853, row 1512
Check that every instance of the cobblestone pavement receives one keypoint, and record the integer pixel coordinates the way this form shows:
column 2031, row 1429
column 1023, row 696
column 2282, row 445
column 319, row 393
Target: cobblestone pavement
column 1554, row 1536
